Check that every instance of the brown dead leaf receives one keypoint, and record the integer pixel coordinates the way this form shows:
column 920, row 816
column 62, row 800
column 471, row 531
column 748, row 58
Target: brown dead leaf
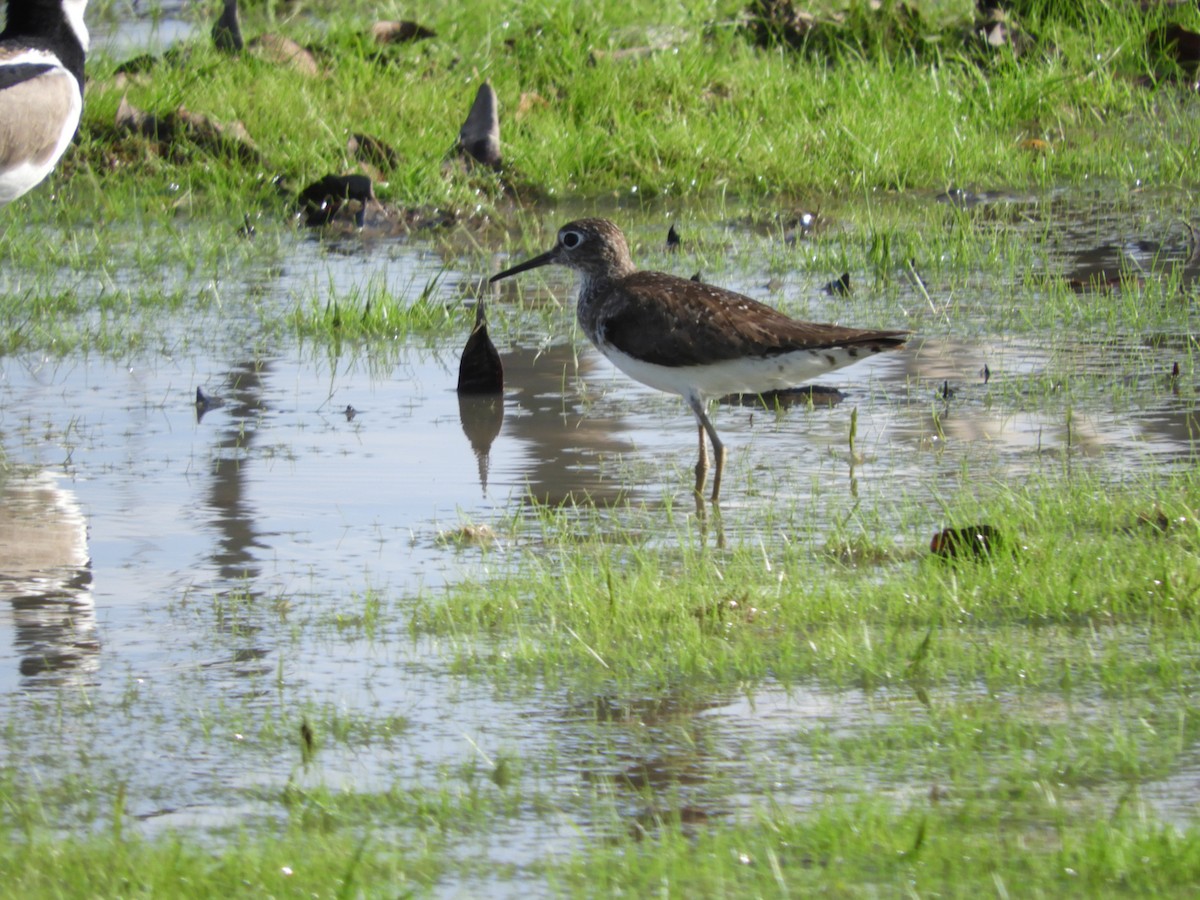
column 530, row 100
column 285, row 52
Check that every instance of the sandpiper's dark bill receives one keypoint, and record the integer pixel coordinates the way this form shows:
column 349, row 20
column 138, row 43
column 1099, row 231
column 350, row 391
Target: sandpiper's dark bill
column 42, row 51
column 543, row 259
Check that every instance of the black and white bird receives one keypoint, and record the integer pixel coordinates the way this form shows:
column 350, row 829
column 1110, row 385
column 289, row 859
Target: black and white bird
column 42, row 50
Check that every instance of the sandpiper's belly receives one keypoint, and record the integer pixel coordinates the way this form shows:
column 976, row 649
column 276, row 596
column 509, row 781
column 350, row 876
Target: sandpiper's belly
column 745, row 375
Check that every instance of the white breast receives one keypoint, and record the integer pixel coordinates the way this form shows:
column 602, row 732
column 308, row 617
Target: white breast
column 750, row 375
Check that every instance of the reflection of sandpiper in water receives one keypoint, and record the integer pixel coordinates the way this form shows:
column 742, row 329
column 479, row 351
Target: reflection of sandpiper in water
column 46, row 578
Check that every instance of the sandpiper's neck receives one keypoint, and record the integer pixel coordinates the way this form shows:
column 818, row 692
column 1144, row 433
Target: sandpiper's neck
column 594, row 289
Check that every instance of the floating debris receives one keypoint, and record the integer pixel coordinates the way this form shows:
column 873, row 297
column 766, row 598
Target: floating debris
column 468, row 535
column 839, row 287
column 205, row 402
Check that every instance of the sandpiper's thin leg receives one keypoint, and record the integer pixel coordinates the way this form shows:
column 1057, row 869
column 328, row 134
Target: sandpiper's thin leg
column 706, row 425
column 702, row 462
column 719, row 454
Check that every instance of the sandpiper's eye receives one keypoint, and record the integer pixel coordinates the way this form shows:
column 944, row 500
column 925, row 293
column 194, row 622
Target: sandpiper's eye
column 570, row 239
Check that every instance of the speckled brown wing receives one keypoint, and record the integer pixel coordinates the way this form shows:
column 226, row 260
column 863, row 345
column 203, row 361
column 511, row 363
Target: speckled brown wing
column 670, row 321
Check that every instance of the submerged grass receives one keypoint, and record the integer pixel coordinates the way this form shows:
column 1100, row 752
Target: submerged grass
column 868, row 849
column 376, row 313
column 300, row 862
column 1027, row 713
column 1026, row 699
column 613, row 609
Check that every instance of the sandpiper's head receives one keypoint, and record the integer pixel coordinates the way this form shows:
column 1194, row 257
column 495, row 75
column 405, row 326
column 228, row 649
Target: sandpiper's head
column 593, row 247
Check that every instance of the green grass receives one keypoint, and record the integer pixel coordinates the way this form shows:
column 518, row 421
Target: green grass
column 608, row 604
column 974, row 725
column 709, row 113
column 377, row 313
column 297, row 863
column 866, row 849
column 1023, row 699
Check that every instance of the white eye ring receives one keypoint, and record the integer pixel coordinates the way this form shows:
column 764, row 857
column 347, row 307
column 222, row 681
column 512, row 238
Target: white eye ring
column 571, row 239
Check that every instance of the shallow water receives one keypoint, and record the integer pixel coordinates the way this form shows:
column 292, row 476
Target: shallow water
column 217, row 567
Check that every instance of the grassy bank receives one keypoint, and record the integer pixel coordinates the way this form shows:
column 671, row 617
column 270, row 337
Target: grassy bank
column 641, row 100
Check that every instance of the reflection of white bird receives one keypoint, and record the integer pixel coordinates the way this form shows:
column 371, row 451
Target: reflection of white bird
column 45, row 574
column 41, row 89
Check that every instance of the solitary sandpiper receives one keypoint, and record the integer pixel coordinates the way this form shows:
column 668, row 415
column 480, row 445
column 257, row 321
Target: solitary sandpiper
column 690, row 338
